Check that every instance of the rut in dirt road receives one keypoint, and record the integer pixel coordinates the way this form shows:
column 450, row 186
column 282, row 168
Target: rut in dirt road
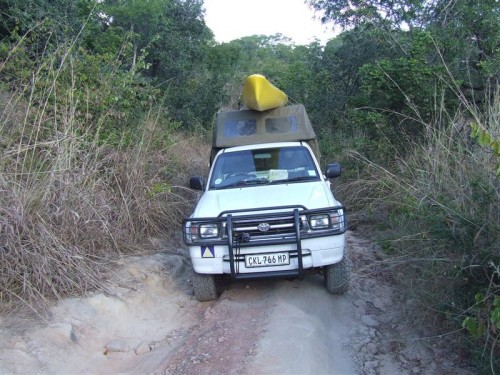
column 273, row 327
column 297, row 327
column 223, row 341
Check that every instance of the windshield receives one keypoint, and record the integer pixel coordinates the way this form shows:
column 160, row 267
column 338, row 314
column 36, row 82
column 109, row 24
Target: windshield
column 263, row 166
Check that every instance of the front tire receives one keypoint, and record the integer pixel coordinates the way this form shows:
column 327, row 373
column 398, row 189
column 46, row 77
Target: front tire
column 337, row 276
column 204, row 287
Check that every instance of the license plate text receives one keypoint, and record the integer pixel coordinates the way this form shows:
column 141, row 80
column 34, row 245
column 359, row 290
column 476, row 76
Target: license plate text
column 265, row 260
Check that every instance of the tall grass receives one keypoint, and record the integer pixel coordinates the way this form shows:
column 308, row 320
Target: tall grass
column 438, row 213
column 71, row 202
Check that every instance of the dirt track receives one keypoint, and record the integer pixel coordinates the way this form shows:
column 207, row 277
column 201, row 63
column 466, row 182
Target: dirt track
column 149, row 322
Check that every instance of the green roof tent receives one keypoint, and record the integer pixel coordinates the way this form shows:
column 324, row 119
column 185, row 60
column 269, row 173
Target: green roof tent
column 246, row 127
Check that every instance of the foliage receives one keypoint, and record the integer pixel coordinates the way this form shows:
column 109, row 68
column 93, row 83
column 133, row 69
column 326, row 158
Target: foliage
column 337, row 77
column 95, row 93
column 486, row 139
column 347, row 13
column 172, row 38
column 105, row 90
column 442, row 225
column 23, row 16
column 434, row 190
column 404, row 89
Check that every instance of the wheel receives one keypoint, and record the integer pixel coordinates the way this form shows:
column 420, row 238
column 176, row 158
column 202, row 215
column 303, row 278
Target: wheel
column 204, row 287
column 337, row 275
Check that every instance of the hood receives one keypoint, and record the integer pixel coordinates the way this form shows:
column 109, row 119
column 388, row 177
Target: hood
column 308, row 194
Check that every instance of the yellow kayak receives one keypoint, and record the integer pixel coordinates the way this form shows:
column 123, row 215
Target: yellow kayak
column 260, row 94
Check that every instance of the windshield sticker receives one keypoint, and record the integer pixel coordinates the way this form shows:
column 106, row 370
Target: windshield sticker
column 218, row 181
column 278, row 174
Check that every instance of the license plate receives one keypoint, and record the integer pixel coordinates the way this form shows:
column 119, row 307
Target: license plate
column 265, row 260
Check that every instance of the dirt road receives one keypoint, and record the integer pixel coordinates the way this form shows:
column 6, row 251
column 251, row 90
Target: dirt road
column 272, row 327
column 148, row 322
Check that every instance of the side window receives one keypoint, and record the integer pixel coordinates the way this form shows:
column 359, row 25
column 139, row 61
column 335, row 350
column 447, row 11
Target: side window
column 239, row 128
column 281, row 124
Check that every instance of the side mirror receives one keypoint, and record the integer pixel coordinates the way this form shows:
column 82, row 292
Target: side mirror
column 196, row 183
column 333, row 170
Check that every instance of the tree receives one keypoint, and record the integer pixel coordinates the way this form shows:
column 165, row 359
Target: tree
column 337, row 76
column 446, row 41
column 349, row 13
column 467, row 34
column 171, row 37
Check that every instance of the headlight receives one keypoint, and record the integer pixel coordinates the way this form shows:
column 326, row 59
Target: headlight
column 209, row 231
column 195, row 232
column 333, row 220
column 319, row 221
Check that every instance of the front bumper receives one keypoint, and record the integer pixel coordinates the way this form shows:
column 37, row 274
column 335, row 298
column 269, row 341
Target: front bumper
column 316, row 252
column 289, row 234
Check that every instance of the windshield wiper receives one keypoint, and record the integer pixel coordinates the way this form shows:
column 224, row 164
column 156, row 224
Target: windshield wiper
column 294, row 179
column 256, row 181
column 244, row 182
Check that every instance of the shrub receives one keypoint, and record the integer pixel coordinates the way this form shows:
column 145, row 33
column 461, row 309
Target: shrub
column 441, row 223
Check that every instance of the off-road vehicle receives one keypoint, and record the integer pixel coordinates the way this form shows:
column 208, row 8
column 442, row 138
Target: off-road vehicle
column 267, row 209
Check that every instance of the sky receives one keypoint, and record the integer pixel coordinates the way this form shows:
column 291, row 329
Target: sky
column 234, row 19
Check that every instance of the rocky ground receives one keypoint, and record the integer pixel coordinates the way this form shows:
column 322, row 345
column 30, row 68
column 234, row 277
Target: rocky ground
column 147, row 321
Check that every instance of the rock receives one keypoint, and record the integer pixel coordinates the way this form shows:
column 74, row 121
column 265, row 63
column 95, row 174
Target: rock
column 371, row 365
column 357, row 347
column 379, row 304
column 59, row 333
column 418, row 353
column 372, row 348
column 142, row 348
column 359, row 303
column 20, row 345
column 116, row 346
column 175, row 266
column 106, row 306
column 369, row 320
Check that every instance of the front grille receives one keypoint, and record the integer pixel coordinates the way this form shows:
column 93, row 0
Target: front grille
column 277, row 227
column 266, row 226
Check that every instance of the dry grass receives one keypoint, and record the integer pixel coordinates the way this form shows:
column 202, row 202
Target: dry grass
column 70, row 204
column 68, row 207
